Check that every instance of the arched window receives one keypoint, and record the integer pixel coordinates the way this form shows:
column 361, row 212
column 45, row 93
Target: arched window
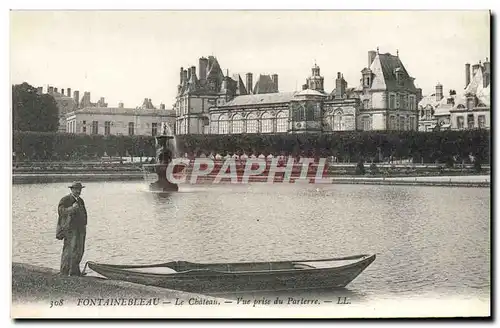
column 282, row 122
column 237, row 124
column 266, row 123
column 223, row 124
column 252, row 123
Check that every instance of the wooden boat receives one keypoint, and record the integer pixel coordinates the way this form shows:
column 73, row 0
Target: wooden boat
column 218, row 278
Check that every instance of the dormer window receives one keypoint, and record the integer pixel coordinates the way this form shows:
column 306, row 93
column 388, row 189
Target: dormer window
column 366, row 82
column 470, row 103
column 399, row 75
column 367, row 75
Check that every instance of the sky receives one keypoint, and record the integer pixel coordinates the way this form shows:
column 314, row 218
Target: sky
column 126, row 56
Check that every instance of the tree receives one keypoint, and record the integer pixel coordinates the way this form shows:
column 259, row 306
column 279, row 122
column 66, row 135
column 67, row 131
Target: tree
column 32, row 111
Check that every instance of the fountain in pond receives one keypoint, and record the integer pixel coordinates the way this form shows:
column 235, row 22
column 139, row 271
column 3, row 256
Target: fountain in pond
column 166, row 150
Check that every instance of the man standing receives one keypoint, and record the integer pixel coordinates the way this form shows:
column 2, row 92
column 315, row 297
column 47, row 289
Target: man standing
column 71, row 227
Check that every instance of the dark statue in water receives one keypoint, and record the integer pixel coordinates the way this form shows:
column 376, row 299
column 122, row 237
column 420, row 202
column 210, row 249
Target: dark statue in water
column 164, row 157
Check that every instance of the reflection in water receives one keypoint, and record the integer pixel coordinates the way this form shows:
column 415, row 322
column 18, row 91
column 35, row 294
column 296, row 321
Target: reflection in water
column 427, row 239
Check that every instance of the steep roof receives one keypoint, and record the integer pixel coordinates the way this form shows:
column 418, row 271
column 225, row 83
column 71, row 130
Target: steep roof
column 240, row 86
column 265, row 84
column 350, row 93
column 385, row 67
column 213, row 69
column 258, row 99
column 431, row 100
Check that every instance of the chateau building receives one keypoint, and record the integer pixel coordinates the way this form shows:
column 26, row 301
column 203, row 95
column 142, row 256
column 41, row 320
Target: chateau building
column 467, row 109
column 143, row 120
column 67, row 103
column 385, row 99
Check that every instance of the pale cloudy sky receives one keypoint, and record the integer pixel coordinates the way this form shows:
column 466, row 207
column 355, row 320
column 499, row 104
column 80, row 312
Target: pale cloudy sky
column 128, row 56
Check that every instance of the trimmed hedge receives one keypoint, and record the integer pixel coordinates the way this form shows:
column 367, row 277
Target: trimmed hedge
column 429, row 147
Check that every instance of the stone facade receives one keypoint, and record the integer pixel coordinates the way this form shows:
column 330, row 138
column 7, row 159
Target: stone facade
column 120, row 121
column 466, row 109
column 385, row 99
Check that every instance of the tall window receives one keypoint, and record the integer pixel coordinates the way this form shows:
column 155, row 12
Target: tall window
column 392, row 101
column 411, row 104
column 252, row 123
column 154, row 128
column 481, row 120
column 392, row 123
column 299, row 111
column 184, row 126
column 402, row 123
column 237, row 124
column 366, row 104
column 107, row 128
column 317, row 112
column 214, row 127
column 460, row 122
column 470, row 121
column 84, row 126
column 413, row 123
column 338, row 124
column 266, row 123
column 95, row 127
column 282, row 122
column 366, row 122
column 223, row 124
column 130, row 128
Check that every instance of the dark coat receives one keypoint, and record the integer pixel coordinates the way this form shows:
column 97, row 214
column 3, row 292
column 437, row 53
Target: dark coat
column 70, row 217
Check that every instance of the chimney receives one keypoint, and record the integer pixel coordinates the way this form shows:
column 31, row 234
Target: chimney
column 55, row 90
column 439, row 91
column 304, row 86
column 487, row 73
column 193, row 72
column 188, row 75
column 181, row 75
column 162, row 106
column 275, row 81
column 51, row 90
column 120, row 105
column 203, row 64
column 62, row 91
column 76, row 97
column 39, row 90
column 185, row 76
column 467, row 74
column 475, row 68
column 371, row 57
column 339, row 86
column 68, row 94
column 249, row 77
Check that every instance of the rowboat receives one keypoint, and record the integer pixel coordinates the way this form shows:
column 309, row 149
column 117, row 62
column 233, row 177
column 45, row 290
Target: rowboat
column 218, row 278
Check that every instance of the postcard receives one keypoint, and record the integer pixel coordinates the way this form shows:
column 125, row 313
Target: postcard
column 250, row 164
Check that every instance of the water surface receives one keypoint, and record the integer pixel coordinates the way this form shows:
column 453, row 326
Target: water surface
column 429, row 241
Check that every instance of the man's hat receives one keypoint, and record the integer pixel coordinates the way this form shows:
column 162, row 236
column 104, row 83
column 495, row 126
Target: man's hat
column 76, row 185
